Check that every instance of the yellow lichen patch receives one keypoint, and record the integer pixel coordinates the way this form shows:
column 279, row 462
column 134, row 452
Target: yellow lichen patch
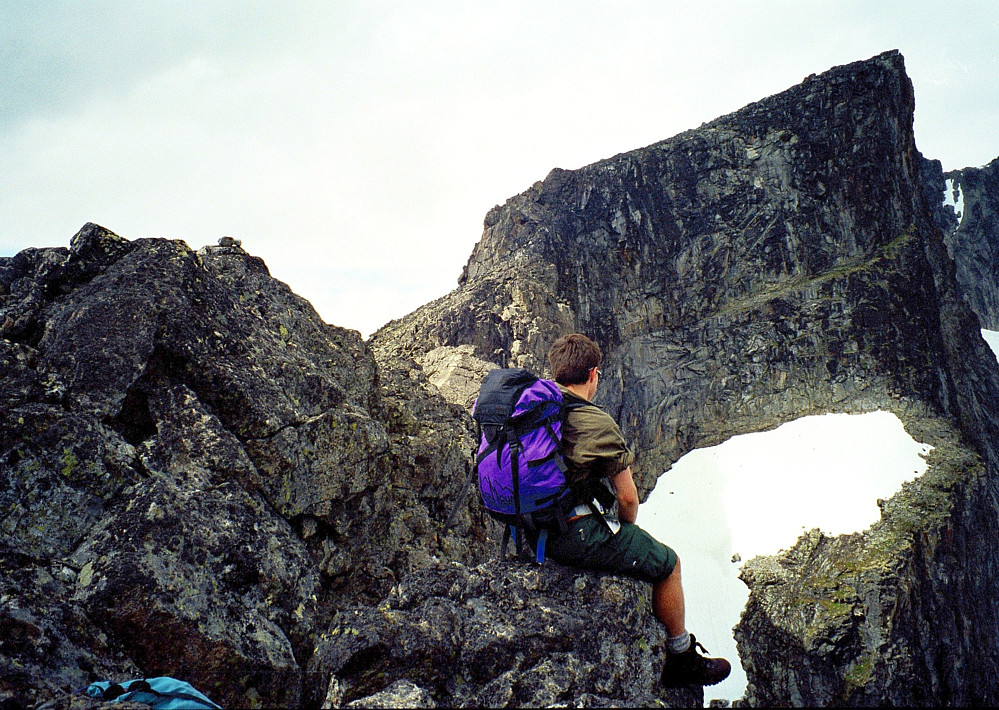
column 86, row 575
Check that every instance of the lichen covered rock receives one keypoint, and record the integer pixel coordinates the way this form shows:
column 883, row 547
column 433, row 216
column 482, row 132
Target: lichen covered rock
column 900, row 614
column 207, row 463
column 503, row 634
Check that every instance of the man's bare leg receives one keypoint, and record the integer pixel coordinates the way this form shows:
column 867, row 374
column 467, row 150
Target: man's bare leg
column 668, row 605
column 684, row 666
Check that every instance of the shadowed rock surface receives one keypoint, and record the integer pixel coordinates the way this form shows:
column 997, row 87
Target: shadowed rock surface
column 200, row 478
column 972, row 237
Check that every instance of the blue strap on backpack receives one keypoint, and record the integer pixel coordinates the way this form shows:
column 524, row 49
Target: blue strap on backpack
column 162, row 693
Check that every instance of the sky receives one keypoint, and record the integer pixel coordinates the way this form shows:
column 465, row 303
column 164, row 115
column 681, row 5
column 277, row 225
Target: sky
column 357, row 145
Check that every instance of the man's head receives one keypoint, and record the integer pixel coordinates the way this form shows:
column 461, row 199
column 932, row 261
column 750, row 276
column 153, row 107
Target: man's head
column 573, row 358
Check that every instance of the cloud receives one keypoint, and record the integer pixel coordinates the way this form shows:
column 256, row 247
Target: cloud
column 371, row 137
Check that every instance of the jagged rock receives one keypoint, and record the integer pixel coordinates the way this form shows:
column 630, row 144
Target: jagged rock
column 456, row 373
column 401, row 694
column 203, row 584
column 973, row 236
column 198, row 476
column 207, row 462
column 47, row 642
column 503, row 634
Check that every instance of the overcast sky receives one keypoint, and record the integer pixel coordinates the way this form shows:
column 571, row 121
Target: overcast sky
column 357, row 145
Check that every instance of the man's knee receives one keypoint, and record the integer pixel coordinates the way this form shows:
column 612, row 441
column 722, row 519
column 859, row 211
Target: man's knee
column 671, row 569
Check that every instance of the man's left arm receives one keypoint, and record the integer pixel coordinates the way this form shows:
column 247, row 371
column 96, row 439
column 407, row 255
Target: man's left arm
column 627, row 496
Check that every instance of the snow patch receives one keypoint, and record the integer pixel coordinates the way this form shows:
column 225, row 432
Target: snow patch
column 992, row 340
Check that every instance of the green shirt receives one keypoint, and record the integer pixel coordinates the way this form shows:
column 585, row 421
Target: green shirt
column 593, row 445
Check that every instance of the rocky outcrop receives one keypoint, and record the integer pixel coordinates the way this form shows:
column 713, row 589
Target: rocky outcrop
column 198, row 467
column 900, row 615
column 503, row 634
column 198, row 477
column 966, row 208
column 780, row 261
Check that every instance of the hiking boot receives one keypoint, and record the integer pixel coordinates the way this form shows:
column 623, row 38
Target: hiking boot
column 691, row 668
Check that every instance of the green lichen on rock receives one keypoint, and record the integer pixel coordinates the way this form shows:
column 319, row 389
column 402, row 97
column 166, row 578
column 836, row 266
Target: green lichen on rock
column 881, row 261
column 86, row 575
column 858, row 675
column 69, row 462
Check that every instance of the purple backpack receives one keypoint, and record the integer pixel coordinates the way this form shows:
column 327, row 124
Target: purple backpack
column 519, row 459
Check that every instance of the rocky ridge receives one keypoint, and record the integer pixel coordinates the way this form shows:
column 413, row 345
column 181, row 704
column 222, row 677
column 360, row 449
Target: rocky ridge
column 198, row 475
column 201, row 478
column 966, row 206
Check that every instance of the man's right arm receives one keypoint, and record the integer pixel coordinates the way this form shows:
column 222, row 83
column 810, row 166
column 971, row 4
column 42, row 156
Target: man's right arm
column 627, row 496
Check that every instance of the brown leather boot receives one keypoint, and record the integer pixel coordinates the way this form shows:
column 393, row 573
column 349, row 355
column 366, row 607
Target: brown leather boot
column 692, row 668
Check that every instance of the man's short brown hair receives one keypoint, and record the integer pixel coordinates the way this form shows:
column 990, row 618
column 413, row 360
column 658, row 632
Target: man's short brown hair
column 572, row 357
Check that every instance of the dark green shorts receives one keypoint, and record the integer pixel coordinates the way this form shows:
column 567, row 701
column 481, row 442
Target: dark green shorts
column 589, row 544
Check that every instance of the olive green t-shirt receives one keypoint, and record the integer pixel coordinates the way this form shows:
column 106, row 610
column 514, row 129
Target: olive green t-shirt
column 593, row 445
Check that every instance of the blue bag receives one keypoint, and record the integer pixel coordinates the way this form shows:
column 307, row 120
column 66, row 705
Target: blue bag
column 163, row 693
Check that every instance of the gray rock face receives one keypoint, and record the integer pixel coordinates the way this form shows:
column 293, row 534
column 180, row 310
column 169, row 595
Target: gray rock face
column 972, row 236
column 200, row 478
column 757, row 269
column 503, row 634
column 195, row 465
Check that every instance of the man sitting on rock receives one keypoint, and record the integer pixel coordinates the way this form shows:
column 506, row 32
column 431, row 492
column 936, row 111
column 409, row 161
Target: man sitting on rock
column 595, row 452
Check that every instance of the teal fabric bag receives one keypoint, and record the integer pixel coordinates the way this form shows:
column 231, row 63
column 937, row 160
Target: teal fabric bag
column 163, row 693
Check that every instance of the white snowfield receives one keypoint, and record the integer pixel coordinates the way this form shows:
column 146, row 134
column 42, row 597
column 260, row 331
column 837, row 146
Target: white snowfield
column 755, row 494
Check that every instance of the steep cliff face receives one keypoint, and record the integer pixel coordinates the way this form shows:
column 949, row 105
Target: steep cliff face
column 966, row 208
column 776, row 262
